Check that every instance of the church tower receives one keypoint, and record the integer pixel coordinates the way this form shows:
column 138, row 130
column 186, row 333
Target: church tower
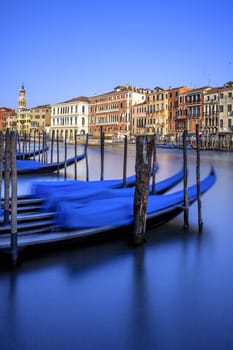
column 22, row 98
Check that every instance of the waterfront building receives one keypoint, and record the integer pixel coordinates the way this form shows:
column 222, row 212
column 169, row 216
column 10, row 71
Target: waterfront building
column 23, row 118
column 151, row 116
column 226, row 109
column 176, row 123
column 140, row 123
column 6, row 114
column 190, row 110
column 112, row 111
column 218, row 111
column 70, row 117
column 40, row 118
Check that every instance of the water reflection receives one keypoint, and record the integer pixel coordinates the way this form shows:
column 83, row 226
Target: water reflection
column 175, row 292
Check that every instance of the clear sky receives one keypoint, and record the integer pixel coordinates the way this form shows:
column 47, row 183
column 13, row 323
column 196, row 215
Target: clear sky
column 62, row 49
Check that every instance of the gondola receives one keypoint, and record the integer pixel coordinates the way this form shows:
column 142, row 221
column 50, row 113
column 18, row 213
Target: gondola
column 30, row 154
column 118, row 210
column 35, row 167
column 79, row 220
column 56, row 192
column 44, row 193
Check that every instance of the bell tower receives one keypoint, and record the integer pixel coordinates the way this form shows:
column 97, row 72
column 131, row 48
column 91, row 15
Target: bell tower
column 22, row 98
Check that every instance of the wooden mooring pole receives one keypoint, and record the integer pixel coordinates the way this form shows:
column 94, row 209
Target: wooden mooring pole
column 75, row 154
column 144, row 150
column 154, row 167
column 7, row 177
column 57, row 151
column 14, row 236
column 101, row 154
column 85, row 151
column 125, row 160
column 200, row 223
column 1, row 160
column 186, row 202
column 65, row 168
column 51, row 145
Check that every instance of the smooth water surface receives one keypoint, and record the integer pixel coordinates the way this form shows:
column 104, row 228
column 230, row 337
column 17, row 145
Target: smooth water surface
column 174, row 292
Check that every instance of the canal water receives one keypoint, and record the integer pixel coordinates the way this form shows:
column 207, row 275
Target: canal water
column 174, row 292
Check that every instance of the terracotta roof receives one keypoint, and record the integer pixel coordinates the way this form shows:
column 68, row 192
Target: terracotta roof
column 77, row 99
column 42, row 106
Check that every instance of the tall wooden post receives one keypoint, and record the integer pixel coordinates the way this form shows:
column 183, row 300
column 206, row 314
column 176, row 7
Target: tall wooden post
column 75, row 154
column 125, row 160
column 7, row 178
column 200, row 223
column 186, row 204
column 39, row 146
column 154, row 167
column 85, row 151
column 1, row 160
column 57, row 152
column 144, row 150
column 51, row 150
column 14, row 243
column 65, row 169
column 101, row 153
column 34, row 145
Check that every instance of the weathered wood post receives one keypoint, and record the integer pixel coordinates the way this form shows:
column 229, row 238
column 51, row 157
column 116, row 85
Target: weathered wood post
column 200, row 223
column 45, row 150
column 7, row 177
column 101, row 154
column 39, row 141
column 1, row 160
column 154, row 166
column 57, row 152
column 144, row 150
column 125, row 160
column 186, row 202
column 51, row 150
column 75, row 154
column 85, row 151
column 65, row 168
column 14, row 238
column 34, row 145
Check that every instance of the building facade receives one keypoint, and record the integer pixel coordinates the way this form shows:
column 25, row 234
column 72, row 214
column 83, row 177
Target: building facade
column 23, row 120
column 218, row 111
column 112, row 111
column 40, row 118
column 70, row 117
column 6, row 114
column 151, row 117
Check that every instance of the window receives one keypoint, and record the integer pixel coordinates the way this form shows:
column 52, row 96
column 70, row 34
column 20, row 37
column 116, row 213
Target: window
column 229, row 123
column 221, row 123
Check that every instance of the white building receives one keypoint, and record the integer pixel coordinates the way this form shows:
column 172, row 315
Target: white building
column 70, row 117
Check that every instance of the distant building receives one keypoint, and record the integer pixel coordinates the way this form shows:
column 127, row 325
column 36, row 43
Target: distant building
column 23, row 119
column 112, row 111
column 40, row 118
column 151, row 116
column 218, row 111
column 6, row 114
column 176, row 123
column 190, row 110
column 70, row 117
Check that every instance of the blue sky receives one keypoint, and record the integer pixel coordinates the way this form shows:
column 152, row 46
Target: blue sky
column 63, row 49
